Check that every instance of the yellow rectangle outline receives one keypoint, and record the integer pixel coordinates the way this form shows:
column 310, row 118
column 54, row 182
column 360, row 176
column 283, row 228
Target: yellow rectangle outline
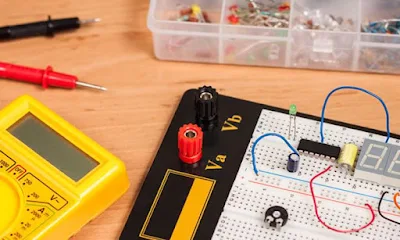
column 160, row 189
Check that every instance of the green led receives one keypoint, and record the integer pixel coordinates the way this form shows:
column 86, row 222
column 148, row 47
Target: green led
column 293, row 109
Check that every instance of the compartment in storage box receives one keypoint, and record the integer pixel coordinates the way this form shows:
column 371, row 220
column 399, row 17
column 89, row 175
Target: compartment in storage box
column 169, row 9
column 322, row 50
column 267, row 9
column 258, row 52
column 252, row 30
column 320, row 12
column 380, row 59
column 163, row 15
column 376, row 11
column 186, row 48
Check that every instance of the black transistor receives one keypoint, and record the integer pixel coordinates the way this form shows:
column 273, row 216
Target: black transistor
column 319, row 149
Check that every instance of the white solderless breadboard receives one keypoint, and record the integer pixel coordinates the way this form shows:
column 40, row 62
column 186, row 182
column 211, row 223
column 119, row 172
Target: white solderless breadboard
column 340, row 196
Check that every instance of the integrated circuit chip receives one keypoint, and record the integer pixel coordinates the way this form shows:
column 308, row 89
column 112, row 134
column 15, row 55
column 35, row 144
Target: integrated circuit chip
column 318, row 149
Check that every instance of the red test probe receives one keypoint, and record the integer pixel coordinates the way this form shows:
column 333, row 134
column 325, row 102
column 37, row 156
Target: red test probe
column 45, row 77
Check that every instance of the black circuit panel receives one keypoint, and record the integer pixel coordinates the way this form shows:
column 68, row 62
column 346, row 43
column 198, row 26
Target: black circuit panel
column 155, row 212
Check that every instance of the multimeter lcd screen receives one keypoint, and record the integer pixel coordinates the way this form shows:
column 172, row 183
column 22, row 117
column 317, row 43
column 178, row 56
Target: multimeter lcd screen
column 53, row 147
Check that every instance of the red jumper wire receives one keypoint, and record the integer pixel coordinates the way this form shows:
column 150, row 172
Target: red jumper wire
column 45, row 77
column 326, row 225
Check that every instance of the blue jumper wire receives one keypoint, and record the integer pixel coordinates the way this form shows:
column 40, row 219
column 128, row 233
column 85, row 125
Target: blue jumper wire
column 359, row 89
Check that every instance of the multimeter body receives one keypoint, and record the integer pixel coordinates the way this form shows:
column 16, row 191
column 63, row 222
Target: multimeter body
column 53, row 178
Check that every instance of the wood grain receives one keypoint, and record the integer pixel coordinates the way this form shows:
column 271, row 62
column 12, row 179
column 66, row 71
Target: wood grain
column 131, row 118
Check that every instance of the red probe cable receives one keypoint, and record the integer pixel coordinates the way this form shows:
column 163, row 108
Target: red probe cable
column 45, row 77
column 326, row 225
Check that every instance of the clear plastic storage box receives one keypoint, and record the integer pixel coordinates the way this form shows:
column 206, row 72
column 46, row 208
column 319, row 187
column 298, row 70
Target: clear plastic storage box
column 350, row 48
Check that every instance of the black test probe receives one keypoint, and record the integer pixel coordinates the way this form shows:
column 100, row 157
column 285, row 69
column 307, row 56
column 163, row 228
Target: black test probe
column 43, row 28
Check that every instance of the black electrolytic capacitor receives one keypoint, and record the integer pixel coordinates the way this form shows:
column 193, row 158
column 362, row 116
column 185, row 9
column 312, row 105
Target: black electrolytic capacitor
column 293, row 162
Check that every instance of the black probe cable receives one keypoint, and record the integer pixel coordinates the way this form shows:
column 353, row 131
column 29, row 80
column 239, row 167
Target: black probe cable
column 43, row 28
column 379, row 209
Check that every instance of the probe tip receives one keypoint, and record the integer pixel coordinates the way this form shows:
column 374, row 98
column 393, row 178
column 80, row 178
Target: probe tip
column 102, row 88
column 89, row 85
column 89, row 21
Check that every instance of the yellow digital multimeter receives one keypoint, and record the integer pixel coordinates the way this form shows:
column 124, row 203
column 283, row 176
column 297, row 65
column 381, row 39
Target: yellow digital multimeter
column 53, row 178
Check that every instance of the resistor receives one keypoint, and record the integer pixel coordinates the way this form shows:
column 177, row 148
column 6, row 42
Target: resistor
column 347, row 157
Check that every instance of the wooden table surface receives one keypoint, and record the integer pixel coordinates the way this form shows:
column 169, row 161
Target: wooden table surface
column 131, row 118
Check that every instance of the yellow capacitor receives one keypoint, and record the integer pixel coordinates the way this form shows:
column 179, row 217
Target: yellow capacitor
column 348, row 155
